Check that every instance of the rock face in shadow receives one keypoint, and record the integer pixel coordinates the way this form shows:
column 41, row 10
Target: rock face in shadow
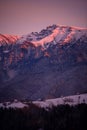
column 41, row 69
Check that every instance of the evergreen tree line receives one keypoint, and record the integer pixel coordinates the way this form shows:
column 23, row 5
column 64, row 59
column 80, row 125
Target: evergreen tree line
column 63, row 117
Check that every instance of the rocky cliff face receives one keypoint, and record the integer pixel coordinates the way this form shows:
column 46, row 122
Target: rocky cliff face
column 44, row 65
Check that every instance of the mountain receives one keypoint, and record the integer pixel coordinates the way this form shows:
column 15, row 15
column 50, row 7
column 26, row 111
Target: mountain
column 8, row 39
column 44, row 65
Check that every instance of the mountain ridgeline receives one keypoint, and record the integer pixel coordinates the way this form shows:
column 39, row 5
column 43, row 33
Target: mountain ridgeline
column 48, row 64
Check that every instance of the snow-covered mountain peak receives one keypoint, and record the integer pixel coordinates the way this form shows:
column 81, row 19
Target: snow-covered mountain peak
column 62, row 34
column 7, row 39
column 47, row 39
column 56, row 34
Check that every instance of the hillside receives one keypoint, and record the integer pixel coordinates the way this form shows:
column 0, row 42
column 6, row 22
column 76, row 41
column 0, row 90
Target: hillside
column 44, row 65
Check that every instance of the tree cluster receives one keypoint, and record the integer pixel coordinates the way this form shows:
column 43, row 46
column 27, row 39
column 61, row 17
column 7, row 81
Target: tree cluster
column 63, row 117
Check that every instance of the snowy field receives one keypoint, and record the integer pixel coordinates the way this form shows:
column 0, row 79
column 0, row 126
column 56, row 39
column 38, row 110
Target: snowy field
column 71, row 100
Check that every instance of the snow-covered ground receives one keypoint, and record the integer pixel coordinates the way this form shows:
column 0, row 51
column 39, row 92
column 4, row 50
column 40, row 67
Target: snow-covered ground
column 71, row 100
column 15, row 104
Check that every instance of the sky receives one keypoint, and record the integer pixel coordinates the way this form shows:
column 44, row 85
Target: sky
column 19, row 17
